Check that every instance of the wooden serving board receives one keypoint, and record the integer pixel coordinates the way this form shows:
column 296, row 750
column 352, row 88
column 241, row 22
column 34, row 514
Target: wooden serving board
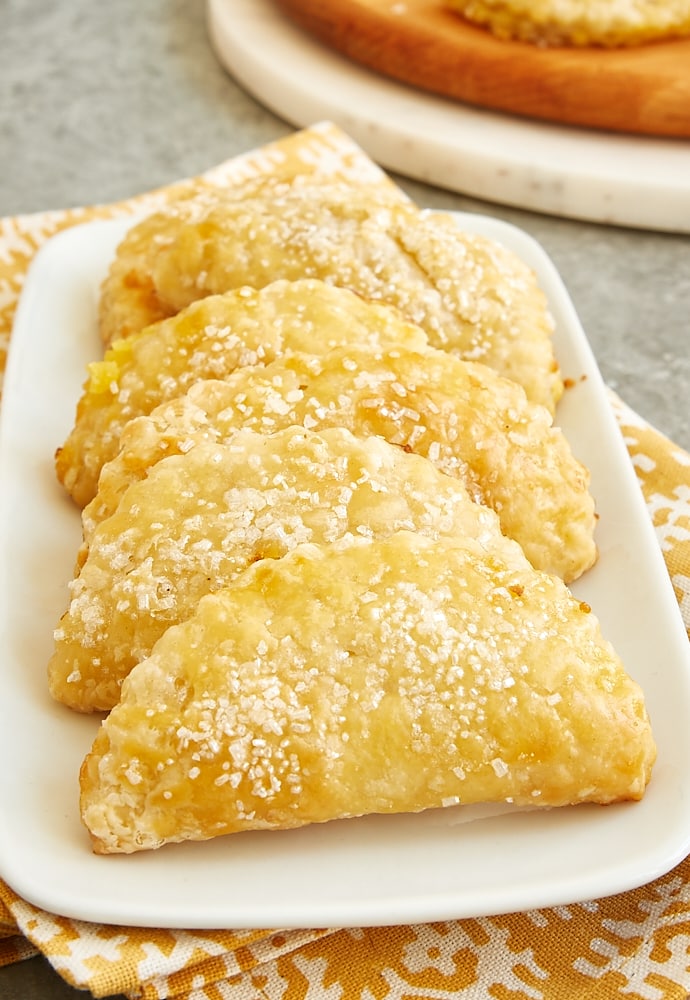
column 614, row 178
column 644, row 90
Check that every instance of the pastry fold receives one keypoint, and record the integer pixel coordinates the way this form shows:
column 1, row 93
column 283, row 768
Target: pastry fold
column 202, row 517
column 471, row 295
column 466, row 419
column 210, row 340
column 383, row 676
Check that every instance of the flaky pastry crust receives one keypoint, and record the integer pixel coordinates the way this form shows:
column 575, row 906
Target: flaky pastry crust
column 470, row 294
column 128, row 299
column 211, row 339
column 390, row 675
column 467, row 420
column 202, row 517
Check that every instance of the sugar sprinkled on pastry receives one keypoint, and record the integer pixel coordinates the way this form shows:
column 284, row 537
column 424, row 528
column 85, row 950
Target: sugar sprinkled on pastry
column 128, row 299
column 388, row 676
column 210, row 340
column 466, row 419
column 202, row 517
column 587, row 23
column 470, row 294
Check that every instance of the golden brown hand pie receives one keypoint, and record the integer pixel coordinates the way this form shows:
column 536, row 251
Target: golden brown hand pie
column 202, row 517
column 464, row 417
column 471, row 295
column 129, row 301
column 210, row 340
column 389, row 676
column 580, row 22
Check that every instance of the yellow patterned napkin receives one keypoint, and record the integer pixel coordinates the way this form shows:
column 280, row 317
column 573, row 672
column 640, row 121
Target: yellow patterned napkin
column 633, row 946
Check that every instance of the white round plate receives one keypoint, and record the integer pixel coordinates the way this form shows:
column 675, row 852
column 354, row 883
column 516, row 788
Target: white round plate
column 577, row 173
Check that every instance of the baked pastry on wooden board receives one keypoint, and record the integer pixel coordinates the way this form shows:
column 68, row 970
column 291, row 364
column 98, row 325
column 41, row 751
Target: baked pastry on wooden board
column 641, row 89
column 387, row 676
column 202, row 517
column 471, row 295
column 580, row 22
column 468, row 421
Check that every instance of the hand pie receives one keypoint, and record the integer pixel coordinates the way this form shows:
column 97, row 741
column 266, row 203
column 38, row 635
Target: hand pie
column 471, row 295
column 464, row 417
column 391, row 675
column 210, row 340
column 580, row 22
column 128, row 300
column 202, row 517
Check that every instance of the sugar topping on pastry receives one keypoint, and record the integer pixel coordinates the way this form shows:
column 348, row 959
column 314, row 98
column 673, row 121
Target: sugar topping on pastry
column 471, row 295
column 128, row 299
column 328, row 525
column 467, row 420
column 203, row 516
column 388, row 675
column 209, row 340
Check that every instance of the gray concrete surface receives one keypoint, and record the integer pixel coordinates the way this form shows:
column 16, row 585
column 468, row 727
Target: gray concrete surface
column 99, row 101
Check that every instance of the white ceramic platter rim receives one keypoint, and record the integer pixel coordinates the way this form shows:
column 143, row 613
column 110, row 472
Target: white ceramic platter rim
column 578, row 173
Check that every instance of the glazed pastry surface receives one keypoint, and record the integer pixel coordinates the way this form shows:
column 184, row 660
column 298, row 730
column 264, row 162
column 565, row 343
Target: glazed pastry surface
column 203, row 516
column 471, row 295
column 211, row 339
column 389, row 675
column 128, row 299
column 467, row 420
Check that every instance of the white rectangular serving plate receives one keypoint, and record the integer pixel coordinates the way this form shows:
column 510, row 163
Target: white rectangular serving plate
column 443, row 864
